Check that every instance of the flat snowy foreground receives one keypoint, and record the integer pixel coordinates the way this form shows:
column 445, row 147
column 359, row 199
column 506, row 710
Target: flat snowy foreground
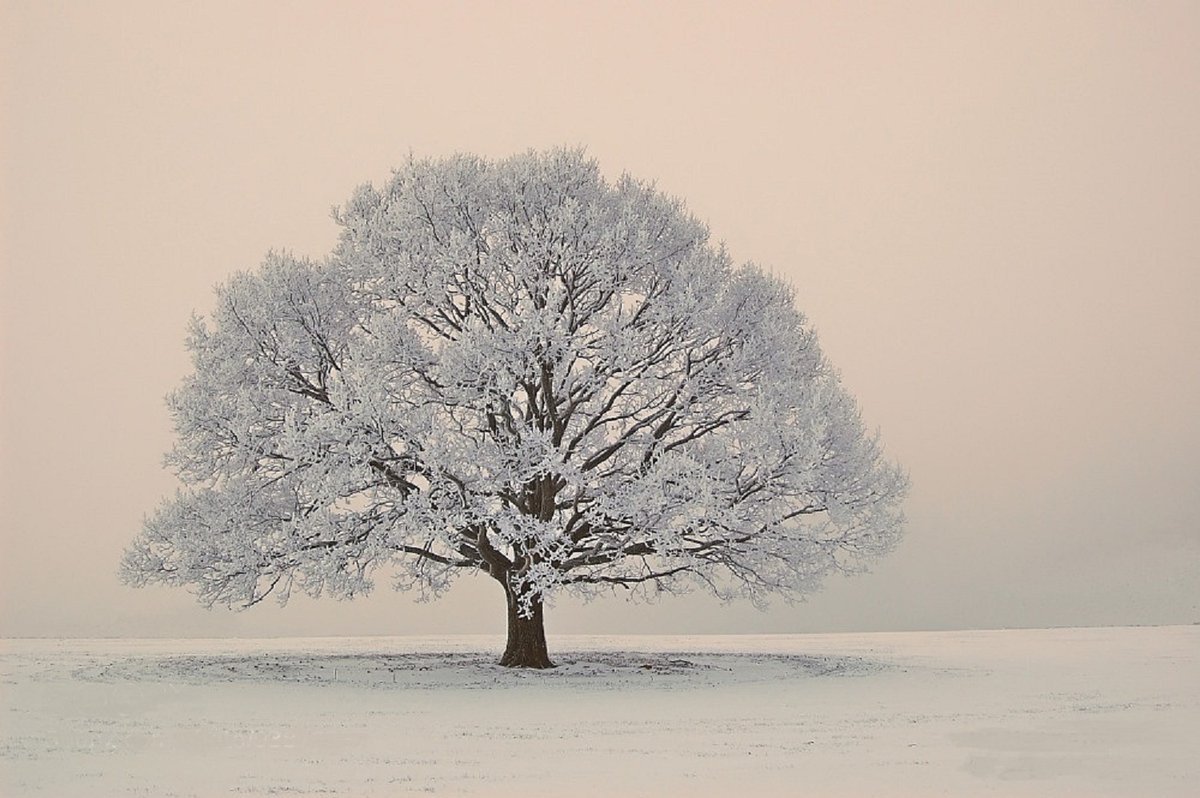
column 1076, row 712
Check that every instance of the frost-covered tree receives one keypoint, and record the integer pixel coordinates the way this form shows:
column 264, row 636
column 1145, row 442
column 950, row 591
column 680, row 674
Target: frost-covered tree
column 519, row 368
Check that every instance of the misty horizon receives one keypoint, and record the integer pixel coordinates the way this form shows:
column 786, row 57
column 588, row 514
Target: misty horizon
column 987, row 215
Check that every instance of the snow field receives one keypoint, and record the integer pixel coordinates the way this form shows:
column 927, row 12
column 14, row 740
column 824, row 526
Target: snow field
column 1015, row 713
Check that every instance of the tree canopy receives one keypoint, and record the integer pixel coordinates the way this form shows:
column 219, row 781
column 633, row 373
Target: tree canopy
column 518, row 367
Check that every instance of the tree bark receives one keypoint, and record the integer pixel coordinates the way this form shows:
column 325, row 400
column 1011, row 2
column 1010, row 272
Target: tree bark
column 526, row 646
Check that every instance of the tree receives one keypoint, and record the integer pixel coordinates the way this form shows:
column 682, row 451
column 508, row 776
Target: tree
column 519, row 368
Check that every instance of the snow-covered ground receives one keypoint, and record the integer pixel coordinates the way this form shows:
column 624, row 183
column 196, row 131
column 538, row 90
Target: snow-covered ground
column 1064, row 712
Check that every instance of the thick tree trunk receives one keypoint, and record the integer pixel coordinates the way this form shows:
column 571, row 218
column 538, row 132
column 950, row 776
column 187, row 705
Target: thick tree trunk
column 526, row 647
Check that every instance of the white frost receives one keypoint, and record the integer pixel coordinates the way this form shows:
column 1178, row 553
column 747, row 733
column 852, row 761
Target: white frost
column 519, row 367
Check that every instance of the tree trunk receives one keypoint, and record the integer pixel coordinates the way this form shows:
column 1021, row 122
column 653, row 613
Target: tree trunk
column 526, row 646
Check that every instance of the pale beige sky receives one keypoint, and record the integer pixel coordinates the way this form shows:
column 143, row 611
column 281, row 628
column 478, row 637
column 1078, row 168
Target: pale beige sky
column 988, row 209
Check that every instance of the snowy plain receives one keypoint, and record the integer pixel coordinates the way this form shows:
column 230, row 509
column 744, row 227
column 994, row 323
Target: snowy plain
column 1055, row 712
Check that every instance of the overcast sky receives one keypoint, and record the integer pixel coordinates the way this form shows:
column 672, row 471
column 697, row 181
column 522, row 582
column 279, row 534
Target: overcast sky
column 989, row 211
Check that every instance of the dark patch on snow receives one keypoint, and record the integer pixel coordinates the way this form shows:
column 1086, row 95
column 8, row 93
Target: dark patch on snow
column 478, row 670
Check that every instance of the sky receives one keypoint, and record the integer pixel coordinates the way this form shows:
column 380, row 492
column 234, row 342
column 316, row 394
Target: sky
column 988, row 211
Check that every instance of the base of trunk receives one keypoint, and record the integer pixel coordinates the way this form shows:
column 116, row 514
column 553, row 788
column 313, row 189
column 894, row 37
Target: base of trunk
column 526, row 645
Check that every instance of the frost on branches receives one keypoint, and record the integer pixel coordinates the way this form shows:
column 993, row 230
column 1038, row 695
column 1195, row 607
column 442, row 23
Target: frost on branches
column 520, row 368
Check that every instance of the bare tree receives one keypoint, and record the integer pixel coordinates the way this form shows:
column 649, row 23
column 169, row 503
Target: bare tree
column 520, row 368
